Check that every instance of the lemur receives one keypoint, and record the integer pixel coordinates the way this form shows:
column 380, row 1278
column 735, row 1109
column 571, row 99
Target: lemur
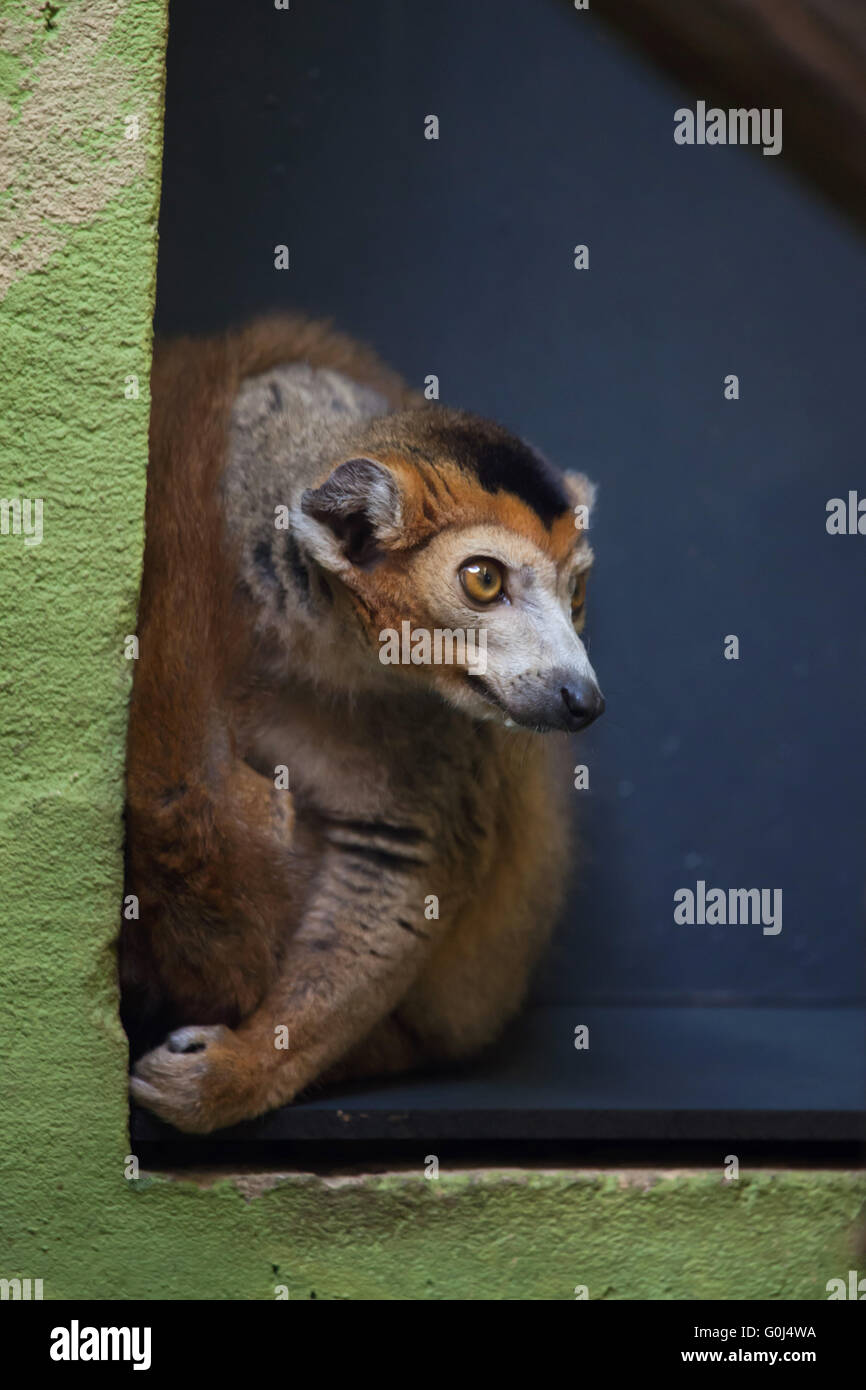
column 343, row 868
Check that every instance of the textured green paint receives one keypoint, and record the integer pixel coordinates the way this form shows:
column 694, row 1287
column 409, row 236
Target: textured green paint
column 77, row 255
column 78, row 242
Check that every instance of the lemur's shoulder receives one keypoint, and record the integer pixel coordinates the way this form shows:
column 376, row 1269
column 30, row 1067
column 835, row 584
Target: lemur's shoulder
column 187, row 586
column 195, row 383
column 288, row 425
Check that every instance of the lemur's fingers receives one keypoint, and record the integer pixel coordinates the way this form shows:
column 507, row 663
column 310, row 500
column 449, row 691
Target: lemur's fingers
column 195, row 1080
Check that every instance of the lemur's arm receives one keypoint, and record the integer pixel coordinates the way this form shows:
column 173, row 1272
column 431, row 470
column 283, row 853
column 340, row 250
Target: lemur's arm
column 361, row 943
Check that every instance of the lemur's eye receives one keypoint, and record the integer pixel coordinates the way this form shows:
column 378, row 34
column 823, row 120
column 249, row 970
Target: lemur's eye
column 578, row 598
column 482, row 580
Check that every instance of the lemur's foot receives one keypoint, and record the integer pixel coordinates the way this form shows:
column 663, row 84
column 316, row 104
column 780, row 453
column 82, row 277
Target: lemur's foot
column 199, row 1079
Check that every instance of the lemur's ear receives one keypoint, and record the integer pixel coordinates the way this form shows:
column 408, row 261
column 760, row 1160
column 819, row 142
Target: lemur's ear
column 356, row 512
column 582, row 494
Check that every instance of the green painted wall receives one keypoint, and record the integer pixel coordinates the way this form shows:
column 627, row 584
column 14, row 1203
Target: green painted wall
column 78, row 208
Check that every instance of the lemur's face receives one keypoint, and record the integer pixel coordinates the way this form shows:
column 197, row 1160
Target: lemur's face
column 522, row 614
column 465, row 571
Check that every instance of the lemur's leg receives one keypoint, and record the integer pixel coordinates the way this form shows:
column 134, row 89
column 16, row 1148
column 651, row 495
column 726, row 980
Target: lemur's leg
column 392, row 1046
column 459, row 1002
column 476, row 977
column 362, row 942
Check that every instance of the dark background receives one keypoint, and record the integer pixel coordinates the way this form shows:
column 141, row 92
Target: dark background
column 455, row 257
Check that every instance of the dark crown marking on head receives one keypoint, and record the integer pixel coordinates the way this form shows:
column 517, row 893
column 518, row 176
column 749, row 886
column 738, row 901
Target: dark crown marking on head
column 503, row 463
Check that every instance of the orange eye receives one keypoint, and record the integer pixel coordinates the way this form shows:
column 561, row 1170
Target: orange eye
column 578, row 598
column 482, row 580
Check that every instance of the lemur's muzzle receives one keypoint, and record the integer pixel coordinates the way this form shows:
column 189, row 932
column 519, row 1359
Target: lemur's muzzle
column 567, row 701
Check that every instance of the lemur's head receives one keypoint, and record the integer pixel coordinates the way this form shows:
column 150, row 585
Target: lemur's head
column 462, row 560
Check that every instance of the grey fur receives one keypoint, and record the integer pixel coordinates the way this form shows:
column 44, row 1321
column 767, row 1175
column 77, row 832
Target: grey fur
column 288, row 427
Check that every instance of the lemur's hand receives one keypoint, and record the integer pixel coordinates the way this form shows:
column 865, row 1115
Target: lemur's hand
column 198, row 1080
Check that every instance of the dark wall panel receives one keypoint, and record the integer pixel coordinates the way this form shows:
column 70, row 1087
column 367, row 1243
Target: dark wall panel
column 454, row 257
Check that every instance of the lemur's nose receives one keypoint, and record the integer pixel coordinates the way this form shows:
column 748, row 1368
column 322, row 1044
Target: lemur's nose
column 583, row 701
